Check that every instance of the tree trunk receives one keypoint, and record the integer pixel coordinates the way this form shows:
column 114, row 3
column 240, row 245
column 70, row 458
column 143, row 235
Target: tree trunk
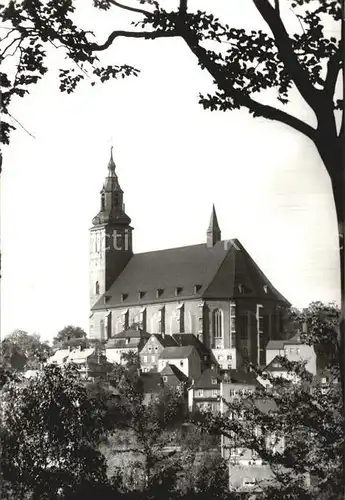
column 330, row 148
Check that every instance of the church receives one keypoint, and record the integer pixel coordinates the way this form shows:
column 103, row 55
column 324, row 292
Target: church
column 213, row 290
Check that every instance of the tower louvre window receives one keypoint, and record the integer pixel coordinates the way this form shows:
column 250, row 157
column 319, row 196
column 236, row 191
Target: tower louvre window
column 97, row 288
column 102, row 201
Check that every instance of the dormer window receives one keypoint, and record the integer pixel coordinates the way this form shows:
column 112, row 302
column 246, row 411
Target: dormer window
column 106, row 298
column 124, row 296
column 241, row 288
column 178, row 290
column 141, row 295
column 266, row 288
column 197, row 288
column 159, row 292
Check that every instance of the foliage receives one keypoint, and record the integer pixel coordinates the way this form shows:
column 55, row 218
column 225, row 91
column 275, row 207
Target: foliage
column 20, row 349
column 242, row 63
column 50, row 431
column 70, row 336
column 295, row 428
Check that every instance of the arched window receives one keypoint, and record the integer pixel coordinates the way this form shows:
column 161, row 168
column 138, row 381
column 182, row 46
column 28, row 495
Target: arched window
column 97, row 288
column 217, row 325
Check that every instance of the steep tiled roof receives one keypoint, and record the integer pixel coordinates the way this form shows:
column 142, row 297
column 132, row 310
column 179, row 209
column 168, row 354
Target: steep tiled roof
column 165, row 340
column 275, row 345
column 173, row 370
column 59, row 356
column 176, row 352
column 275, row 366
column 205, row 380
column 218, row 270
column 185, row 339
column 241, row 377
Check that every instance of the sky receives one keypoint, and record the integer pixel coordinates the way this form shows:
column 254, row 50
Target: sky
column 173, row 160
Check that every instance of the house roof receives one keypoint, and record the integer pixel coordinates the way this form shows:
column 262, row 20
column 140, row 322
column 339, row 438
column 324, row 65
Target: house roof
column 275, row 366
column 275, row 345
column 185, row 339
column 241, row 377
column 218, row 270
column 59, row 356
column 173, row 370
column 79, row 356
column 205, row 380
column 279, row 344
column 176, row 352
column 165, row 340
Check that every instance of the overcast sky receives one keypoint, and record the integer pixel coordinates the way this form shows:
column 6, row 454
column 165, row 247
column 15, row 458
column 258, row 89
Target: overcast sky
column 173, row 161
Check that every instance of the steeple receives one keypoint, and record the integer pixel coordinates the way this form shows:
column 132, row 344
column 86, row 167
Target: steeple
column 112, row 206
column 111, row 164
column 111, row 245
column 213, row 234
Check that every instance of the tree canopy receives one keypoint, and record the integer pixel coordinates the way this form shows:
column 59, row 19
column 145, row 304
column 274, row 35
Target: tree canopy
column 69, row 336
column 23, row 350
column 306, row 418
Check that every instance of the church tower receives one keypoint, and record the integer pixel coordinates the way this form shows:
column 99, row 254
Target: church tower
column 213, row 234
column 110, row 237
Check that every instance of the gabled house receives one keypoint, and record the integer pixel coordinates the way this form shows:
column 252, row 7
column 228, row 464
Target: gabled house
column 187, row 339
column 173, row 377
column 59, row 358
column 186, row 359
column 204, row 393
column 240, row 383
column 246, row 468
column 151, row 351
column 294, row 350
column 91, row 362
column 129, row 340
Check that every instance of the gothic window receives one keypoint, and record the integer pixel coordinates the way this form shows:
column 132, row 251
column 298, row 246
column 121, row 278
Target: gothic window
column 102, row 328
column 232, row 324
column 143, row 317
column 217, row 328
column 180, row 317
column 125, row 320
column 97, row 288
column 108, row 325
column 162, row 320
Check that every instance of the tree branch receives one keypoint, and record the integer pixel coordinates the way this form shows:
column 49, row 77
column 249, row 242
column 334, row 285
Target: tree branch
column 254, row 107
column 333, row 68
column 148, row 35
column 131, row 9
column 287, row 54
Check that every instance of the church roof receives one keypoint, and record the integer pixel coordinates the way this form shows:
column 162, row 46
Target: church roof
column 224, row 271
column 176, row 352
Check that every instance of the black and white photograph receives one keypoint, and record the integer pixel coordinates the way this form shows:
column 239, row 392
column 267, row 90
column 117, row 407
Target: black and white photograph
column 172, row 250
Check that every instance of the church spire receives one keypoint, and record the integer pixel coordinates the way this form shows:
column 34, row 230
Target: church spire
column 213, row 234
column 111, row 164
